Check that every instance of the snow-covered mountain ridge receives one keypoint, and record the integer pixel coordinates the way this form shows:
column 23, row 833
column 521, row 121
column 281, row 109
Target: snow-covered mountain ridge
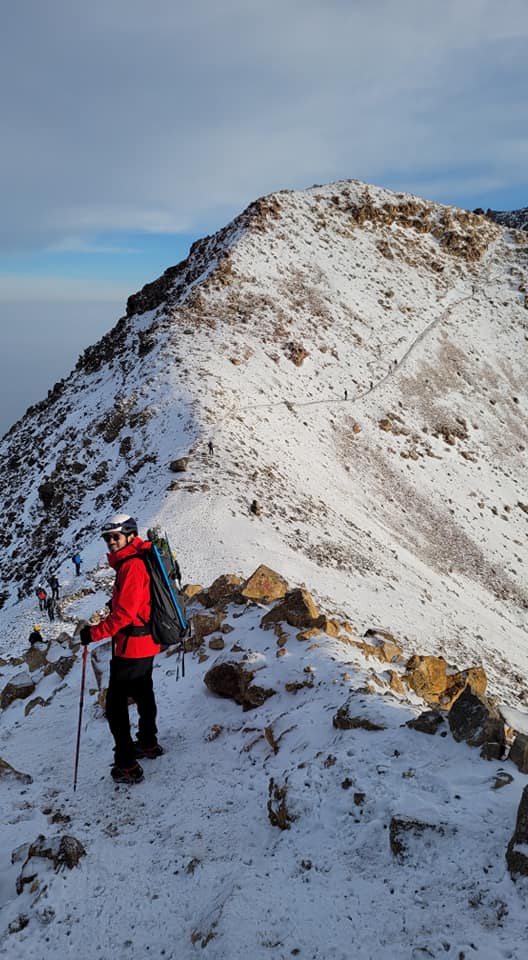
column 406, row 497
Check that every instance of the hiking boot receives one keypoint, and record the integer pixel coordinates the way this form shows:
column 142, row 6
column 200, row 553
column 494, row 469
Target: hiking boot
column 149, row 753
column 132, row 774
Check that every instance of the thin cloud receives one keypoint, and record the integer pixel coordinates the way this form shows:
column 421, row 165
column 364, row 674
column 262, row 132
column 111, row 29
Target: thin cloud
column 29, row 288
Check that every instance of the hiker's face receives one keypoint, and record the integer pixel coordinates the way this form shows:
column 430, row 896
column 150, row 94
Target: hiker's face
column 115, row 541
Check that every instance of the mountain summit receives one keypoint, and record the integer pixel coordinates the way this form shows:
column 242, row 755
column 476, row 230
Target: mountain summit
column 356, row 359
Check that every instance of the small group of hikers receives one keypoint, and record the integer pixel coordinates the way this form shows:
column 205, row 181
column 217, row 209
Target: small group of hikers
column 133, row 648
column 48, row 604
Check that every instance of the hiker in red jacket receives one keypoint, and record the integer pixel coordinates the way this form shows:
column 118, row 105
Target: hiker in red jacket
column 133, row 650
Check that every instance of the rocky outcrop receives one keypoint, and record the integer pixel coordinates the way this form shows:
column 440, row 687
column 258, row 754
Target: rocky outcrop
column 225, row 589
column 204, row 625
column 517, row 852
column 475, row 721
column 19, row 688
column 264, row 585
column 437, row 683
column 380, row 644
column 180, row 465
column 343, row 721
column 235, row 681
column 298, row 609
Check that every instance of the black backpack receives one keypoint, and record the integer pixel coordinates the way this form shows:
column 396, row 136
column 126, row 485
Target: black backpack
column 168, row 624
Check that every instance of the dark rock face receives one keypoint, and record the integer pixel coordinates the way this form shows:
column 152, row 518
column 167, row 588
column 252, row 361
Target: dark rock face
column 517, row 852
column 427, row 722
column 232, row 680
column 519, row 752
column 180, row 465
column 21, row 687
column 475, row 721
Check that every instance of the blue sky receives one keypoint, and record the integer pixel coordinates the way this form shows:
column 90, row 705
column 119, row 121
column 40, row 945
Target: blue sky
column 132, row 128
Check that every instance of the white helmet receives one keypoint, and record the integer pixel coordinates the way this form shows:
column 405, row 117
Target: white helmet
column 120, row 523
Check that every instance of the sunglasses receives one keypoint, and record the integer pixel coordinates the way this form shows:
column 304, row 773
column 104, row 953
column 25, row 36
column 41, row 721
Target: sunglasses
column 107, row 537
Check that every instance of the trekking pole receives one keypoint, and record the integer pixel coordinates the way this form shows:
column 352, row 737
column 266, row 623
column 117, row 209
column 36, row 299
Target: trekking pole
column 81, row 701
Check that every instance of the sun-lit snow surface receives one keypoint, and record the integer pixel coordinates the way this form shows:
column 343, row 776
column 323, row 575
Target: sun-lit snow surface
column 419, row 529
column 188, row 863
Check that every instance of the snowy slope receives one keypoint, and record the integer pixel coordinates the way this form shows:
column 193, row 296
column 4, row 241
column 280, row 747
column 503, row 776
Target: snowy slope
column 412, row 308
column 402, row 504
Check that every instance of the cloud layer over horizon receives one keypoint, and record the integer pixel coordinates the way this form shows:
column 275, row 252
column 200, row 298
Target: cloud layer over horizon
column 167, row 118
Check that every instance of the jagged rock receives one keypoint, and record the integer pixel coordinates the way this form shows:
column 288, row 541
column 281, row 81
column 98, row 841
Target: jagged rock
column 36, row 702
column 279, row 815
column 62, row 666
column 519, row 752
column 326, row 625
column 46, row 492
column 396, row 683
column 204, row 625
column 478, row 723
column 35, row 657
column 19, row 688
column 473, row 677
column 517, row 852
column 180, row 465
column 265, row 585
column 427, row 677
column 255, row 508
column 403, row 829
column 298, row 609
column 343, row 721
column 7, row 771
column 427, row 722
column 308, row 634
column 224, row 590
column 63, row 851
column 234, row 681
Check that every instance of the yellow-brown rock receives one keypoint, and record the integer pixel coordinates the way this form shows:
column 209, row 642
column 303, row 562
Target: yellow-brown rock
column 395, row 682
column 328, row 626
column 427, row 676
column 298, row 609
column 264, row 584
column 308, row 634
column 387, row 651
column 216, row 643
column 190, row 590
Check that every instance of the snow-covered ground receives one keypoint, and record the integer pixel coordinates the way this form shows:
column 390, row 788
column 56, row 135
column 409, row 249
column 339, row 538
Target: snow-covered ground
column 401, row 504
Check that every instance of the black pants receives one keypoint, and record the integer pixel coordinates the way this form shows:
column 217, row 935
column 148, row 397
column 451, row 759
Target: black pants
column 130, row 677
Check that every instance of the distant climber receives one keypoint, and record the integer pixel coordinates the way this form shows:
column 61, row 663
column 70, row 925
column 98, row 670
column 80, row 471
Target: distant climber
column 55, row 586
column 41, row 596
column 210, row 447
column 133, row 650
column 51, row 608
column 346, row 394
column 35, row 636
column 77, row 560
column 255, row 508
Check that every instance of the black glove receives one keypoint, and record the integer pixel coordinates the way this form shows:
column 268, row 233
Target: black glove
column 85, row 635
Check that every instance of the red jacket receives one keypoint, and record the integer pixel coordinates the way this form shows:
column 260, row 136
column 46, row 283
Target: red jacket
column 130, row 603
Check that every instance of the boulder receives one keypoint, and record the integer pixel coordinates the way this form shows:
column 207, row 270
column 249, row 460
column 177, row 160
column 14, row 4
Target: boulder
column 519, row 752
column 19, row 688
column 427, row 722
column 474, row 677
column 233, row 680
column 35, row 657
column 204, row 625
column 381, row 645
column 478, row 723
column 216, row 643
column 179, row 465
column 264, row 585
column 298, row 609
column 223, row 590
column 427, row 677
column 517, row 851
